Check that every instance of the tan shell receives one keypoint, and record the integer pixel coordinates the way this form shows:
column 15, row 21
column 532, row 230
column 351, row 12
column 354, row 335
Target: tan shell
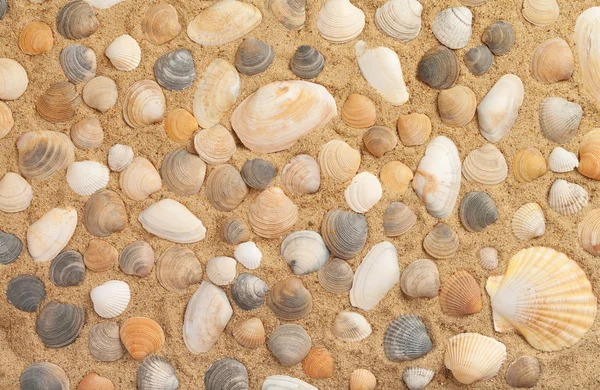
column 529, row 222
column 420, row 279
column 100, row 93
column 87, row 133
column 104, row 213
column 589, row 155
column 340, row 21
column 336, row 276
column 318, row 364
column 272, row 214
column 290, row 13
column 488, row 258
column 379, row 140
column 221, row 270
column 180, row 125
column 523, row 372
column 183, row 172
column 249, row 333
column 540, row 12
column 396, row 176
column 140, row 179
column 214, row 145
column 119, row 157
column 473, row 357
column 225, row 188
column 235, row 231
column 15, row 194
column 36, row 38
column 362, row 379
column 178, row 268
column 104, row 343
column 457, row 106
column 559, row 119
column 358, row 111
column 452, row 27
column 589, row 232
column 6, row 120
column 143, row 104
column 441, row 242
column 93, row 381
column 351, row 327
column 398, row 219
column 124, row 53
column 141, row 337
column 485, row 165
column 99, row 255
column 161, row 24
column 552, row 61
column 414, row 129
column 217, row 92
column 76, row 20
column 13, row 79
column 59, row 102
column 338, row 160
column 460, row 295
column 301, row 175
column 289, row 300
column 137, row 259
column 529, row 164
column 42, row 153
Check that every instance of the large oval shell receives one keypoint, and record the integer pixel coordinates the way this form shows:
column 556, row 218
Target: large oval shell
column 178, row 268
column 301, row 175
column 336, row 276
column 87, row 177
column 290, row 344
column 498, row 110
column 589, row 232
column 441, row 242
column 47, row 236
column 141, row 337
column 78, row 63
column 236, row 231
column 406, row 338
column 452, row 27
column 137, row 259
column 552, row 61
column 156, row 373
column 221, row 270
column 175, row 70
column 100, row 93
column 420, row 279
column 272, row 213
column 110, row 299
column 180, row 125
column 290, row 13
column 523, row 372
column 76, row 20
column 10, row 247
column 400, row 19
column 249, row 291
column 340, row 21
column 87, row 133
column 460, row 295
column 36, row 38
column 528, row 165
column 307, row 62
column 464, row 357
column 414, row 129
column 363, row 192
column 477, row 211
column 26, row 292
column 253, row 56
column 529, row 222
column 289, row 300
column 100, row 255
column 258, row 173
column 457, row 106
column 338, row 160
column 42, row 376
column 479, row 60
column 561, row 160
column 540, row 12
column 379, row 140
column 438, row 68
column 485, row 165
column 217, row 91
column 104, row 342
column 161, row 24
column 567, row 198
column 362, row 379
column 13, row 79
column 58, row 324
column 499, row 37
column 586, row 40
column 344, row 233
column 358, row 111
column 183, row 172
column 124, row 53
column 225, row 188
column 143, row 104
column 214, row 145
column 140, row 179
column 170, row 220
column 304, row 251
column 226, row 373
column 15, row 193
column 351, row 327
column 417, row 378
column 67, row 269
column 589, row 155
column 249, row 333
column 58, row 103
column 398, row 219
column 104, row 213
column 559, row 119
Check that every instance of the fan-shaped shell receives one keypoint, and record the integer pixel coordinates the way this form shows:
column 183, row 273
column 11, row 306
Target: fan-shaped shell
column 559, row 119
column 178, row 268
column 414, row 129
column 182, row 172
column 552, row 61
column 567, row 198
column 6, row 119
column 272, row 213
column 289, row 300
column 87, row 177
column 363, row 192
column 258, row 173
column 340, row 21
column 498, row 110
column 180, row 125
column 336, row 276
column 15, row 193
column 13, row 79
column 586, row 40
column 26, row 292
column 47, row 236
column 100, row 255
column 441, row 242
column 351, row 327
column 304, row 251
column 344, row 233
column 104, row 213
column 137, row 259
column 100, row 93
column 529, row 222
column 589, row 155
column 161, row 24
column 217, row 91
column 221, row 270
column 141, row 337
column 307, row 62
column 488, row 258
column 499, row 37
column 143, row 104
column 561, row 160
column 379, row 140
column 236, row 231
column 156, row 373
column 87, row 133
column 477, row 211
column 528, row 165
column 400, row 19
column 110, row 299
column 485, row 165
column 588, row 232
column 479, row 60
column 10, row 247
column 248, row 254
column 396, row 176
column 338, row 160
column 398, row 219
column 452, row 27
column 58, row 324
column 78, row 63
column 319, row 363
column 140, row 179
column 290, row 13
column 301, row 175
column 473, row 357
column 249, row 291
column 43, row 375
column 457, row 106
column 540, row 12
column 362, row 379
column 417, row 378
column 420, row 279
column 523, row 372
column 104, row 342
column 226, row 373
column 214, row 145
column 93, row 381
column 175, row 70
column 225, row 188
column 460, row 295
column 36, row 38
column 253, row 56
column 406, row 338
column 58, row 103
column 438, row 68
column 249, row 333
column 290, row 344
column 124, row 53
column 358, row 111
column 67, row 269
column 76, row 20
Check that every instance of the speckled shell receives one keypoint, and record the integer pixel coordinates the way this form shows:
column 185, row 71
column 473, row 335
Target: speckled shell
column 258, row 173
column 15, row 193
column 420, row 279
column 253, row 56
column 161, row 24
column 76, row 20
column 180, row 125
column 529, row 222
column 417, row 378
column 473, row 357
column 498, row 110
column 406, row 338
column 479, row 60
column 249, row 333
column 47, row 236
column 457, row 106
column 100, row 93
column 336, row 276
column 183, row 172
column 362, row 379
column 175, row 70
column 340, row 21
column 290, row 13
column 43, row 375
column 400, row 19
column 221, row 270
column 358, row 111
column 58, row 103
column 13, row 79
column 141, row 337
column 137, row 259
column 477, row 211
column 319, row 363
column 561, row 160
column 438, row 68
column 144, row 104
column 272, row 213
column 36, row 38
column 217, row 91
column 304, row 251
column 414, row 129
column 235, row 230
column 289, row 300
column 225, row 188
column 10, row 247
column 6, row 119
column 485, row 165
column 452, row 27
column 248, row 291
column 226, row 373
column 104, row 213
column 338, row 160
column 441, row 242
column 301, row 175
column 78, row 63
column 93, row 381
column 379, row 140
column 26, row 292
column 589, row 232
column 307, row 62
column 67, row 269
column 552, row 61
column 398, row 219
column 528, row 165
column 523, row 372
column 559, row 119
column 214, row 145
column 344, row 233
column 124, row 53
column 589, row 155
column 156, row 373
column 110, row 299
column 87, row 177
column 567, row 198
column 104, row 342
column 351, row 327
column 178, row 268
column 460, row 295
column 540, row 12
column 499, row 37
column 140, row 179
column 58, row 324
column 488, row 258
column 290, row 344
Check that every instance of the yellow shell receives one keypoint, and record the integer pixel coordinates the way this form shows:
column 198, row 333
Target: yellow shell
column 552, row 61
column 358, row 111
column 589, row 155
column 457, row 105
column 529, row 164
column 413, row 129
column 36, row 38
column 396, row 176
column 338, row 160
column 589, row 232
column 272, row 214
column 180, row 125
column 161, row 24
column 362, row 379
column 474, row 357
column 141, row 337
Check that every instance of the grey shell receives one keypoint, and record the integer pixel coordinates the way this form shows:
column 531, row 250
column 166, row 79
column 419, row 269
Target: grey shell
column 175, row 70
column 156, row 373
column 344, row 233
column 226, row 374
column 104, row 342
column 253, row 56
column 44, row 376
column 499, row 37
column 438, row 68
column 479, row 60
column 79, row 63
column 76, row 20
column 477, row 211
column 258, row 173
column 406, row 338
column 236, row 230
column 290, row 344
column 11, row 247
column 3, row 8
column 67, row 269
column 248, row 291
column 307, row 62
column 137, row 259
column 26, row 292
column 58, row 324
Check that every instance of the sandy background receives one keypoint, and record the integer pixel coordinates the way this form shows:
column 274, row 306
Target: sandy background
column 575, row 367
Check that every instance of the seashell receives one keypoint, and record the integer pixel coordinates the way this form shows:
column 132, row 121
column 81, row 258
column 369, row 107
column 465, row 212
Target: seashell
column 485, row 165
column 441, row 242
column 6, row 119
column 3, row 8
column 137, row 259
column 561, row 160
column 400, row 19
column 336, row 276
column 248, row 291
column 214, row 145
column 406, row 338
column 413, row 129
column 93, row 381
column 362, row 379
column 417, row 378
column 225, row 188
column 290, row 13
column 488, row 258
column 78, row 63
column 379, row 140
column 460, row 295
column 567, row 198
column 236, row 231
column 589, row 155
column 141, row 337
column 223, row 22
column 124, row 53
column 26, row 292
column 253, row 56
column 104, row 4
column 67, row 269
column 221, row 270
column 10, row 247
column 307, row 62
column 250, row 333
column 178, row 268
column 87, row 177
column 140, row 179
column 36, row 38
column 452, row 27
column 552, row 61
column 523, row 372
column 87, row 133
column 464, row 357
column 340, row 21
column 104, row 342
column 144, row 104
column 457, row 106
column 155, row 373
column 183, row 172
column 283, row 382
column 290, row 344
column 540, row 12
column 304, row 251
column 175, row 70
column 586, row 39
column 180, row 125
column 420, row 279
column 498, row 110
column 307, row 105
column 338, row 160
column 172, row 221
column 358, row 111
column 217, row 91
column 104, row 213
column 13, row 79
column 528, row 165
column 398, row 219
column 15, row 193
column 528, row 222
column 363, row 193
column 58, row 324
column 559, row 119
column 437, row 179
column 43, row 375
column 58, row 103
column 479, row 60
column 301, row 175
column 100, row 93
column 351, row 327
column 226, row 373
column 258, row 173
column 477, row 211
column 110, row 299
column 206, row 316
column 499, row 37
column 588, row 232
column 375, row 276
column 318, row 364
column 344, row 233
column 289, row 300
column 272, row 214
column 161, row 24
column 76, row 20
column 438, row 68
column 381, row 68
column 100, row 255
column 47, row 236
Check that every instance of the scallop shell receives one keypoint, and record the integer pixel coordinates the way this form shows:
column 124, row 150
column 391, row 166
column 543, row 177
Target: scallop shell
column 528, row 165
column 178, row 268
column 140, row 179
column 351, row 327
column 379, row 140
column 589, row 155
column 561, row 160
column 124, row 53
column 26, row 292
column 183, row 172
column 358, row 111
column 67, row 269
column 93, row 381
column 214, row 145
column 224, row 21
column 306, row 105
column 10, row 247
column 137, row 259
column 258, row 173
column 110, row 299
column 528, row 222
column 396, row 176
column 156, row 373
column 225, row 188
column 336, row 276
column 381, row 67
column 588, row 232
column 249, row 333
column 457, row 106
column 290, row 13
column 498, row 110
column 6, row 120
column 477, row 211
column 87, row 133
column 100, row 255
column 559, row 119
column 307, row 62
column 499, row 37
column 552, row 61
column 58, row 103
column 104, row 342
column 344, row 233
column 248, row 254
column 464, row 357
column 13, row 79
column 248, row 291
column 523, row 372
column 141, row 337
column 226, row 373
column 406, row 338
column 438, row 68
column 488, row 258
column 180, row 125
column 485, row 165
column 375, row 276
column 586, row 40
column 362, row 379
column 144, row 104
column 318, row 364
column 338, row 160
column 540, row 12
column 104, row 213
column 340, row 21
column 47, row 236
column 175, row 70
column 479, row 60
column 44, row 375
column 217, row 91
column 100, row 93
column 15, row 193
column 36, row 38
column 414, row 129
column 363, row 192
column 272, row 214
column 78, row 63
column 236, row 231
column 289, row 300
column 161, row 24
column 420, row 279
column 567, row 198
column 221, row 270
column 290, row 344
column 301, row 175
column 398, row 219
column 452, row 27
column 417, row 378
column 58, row 324
column 460, row 295
column 400, row 19
column 304, row 251
column 253, row 56
column 87, row 177
column 76, row 20
column 441, row 242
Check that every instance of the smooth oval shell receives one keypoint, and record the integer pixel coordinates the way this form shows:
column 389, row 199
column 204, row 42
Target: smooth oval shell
column 567, row 198
column 110, row 299
column 304, row 251
column 289, row 300
column 336, row 276
column 438, row 68
column 15, row 193
column 144, row 104
column 137, row 259
column 414, row 129
column 249, row 333
column 170, row 220
column 318, row 364
column 104, row 342
column 477, row 211
column 290, row 344
column 589, row 155
column 528, row 165
column 399, row 19
column 301, row 175
column 499, row 37
column 214, row 145
column 58, row 324
column 26, row 292
column 104, row 213
column 178, row 268
column 479, row 60
column 225, row 188
column 221, row 270
column 140, row 179
column 124, row 53
column 552, row 61
column 249, row 291
column 156, row 373
column 498, row 110
column 183, row 172
column 441, row 242
column 398, row 219
column 379, row 140
column 87, row 177
column 47, row 236
column 559, row 119
column 226, row 373
column 253, row 56
column 100, row 93
column 78, row 63
column 464, row 353
column 161, row 24
column 485, row 165
column 362, row 379
column 452, row 27
column 236, row 231
column 290, row 13
column 58, row 103
column 217, row 91
column 529, row 222
column 307, row 62
column 340, row 21
column 588, row 232
column 175, row 70
column 417, row 378
column 36, row 38
column 87, row 133
column 93, row 381
column 351, row 327
column 338, row 160
column 42, row 376
column 141, row 337
column 561, row 160
column 363, row 192
column 358, row 111
column 344, row 233
column 460, row 295
column 406, row 338
column 13, row 79
column 10, row 247
column 523, row 372
column 6, row 119
column 420, row 279
column 180, row 125
column 272, row 214
column 76, row 20
column 540, row 12
column 457, row 106
column 488, row 258
column 67, row 269
column 258, row 173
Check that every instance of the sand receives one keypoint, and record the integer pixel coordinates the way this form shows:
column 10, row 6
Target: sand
column 574, row 367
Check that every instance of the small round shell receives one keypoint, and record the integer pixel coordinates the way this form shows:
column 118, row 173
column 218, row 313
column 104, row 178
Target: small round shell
column 93, row 381
column 290, row 13
column 104, row 342
column 307, row 62
column 488, row 258
column 58, row 103
column 76, row 20
column 414, row 129
column 10, row 248
column 249, row 333
column 87, row 177
column 528, row 165
column 379, row 140
column 529, row 222
column 358, row 111
column 67, row 269
column 137, row 259
column 460, row 295
column 15, row 193
column 214, row 145
column 221, row 270
column 58, row 324
column 99, row 255
column 248, row 254
column 144, row 104
column 110, row 299
column 351, row 327
column 249, row 291
column 235, row 231
column 225, row 188
column 363, row 193
column 26, row 292
column 290, row 344
column 155, row 373
column 301, row 175
column 457, row 106
column 178, row 268
column 258, row 173
column 104, row 213
column 344, row 233
column 417, row 378
column 100, row 93
column 253, row 56
column 562, row 161
column 226, row 373
column 441, row 242
column 79, row 63
column 420, row 279
column 304, row 251
column 438, row 68
column 161, row 24
column 477, row 211
column 540, row 12
column 362, row 379
column 559, row 119
column 119, row 157
column 289, row 300
column 180, row 125
column 318, row 364
column 523, row 372
column 485, row 165
column 400, row 19
column 499, row 37
column 175, row 70
column 398, row 219
column 87, row 133
column 6, row 119
column 140, row 179
column 406, row 338
column 552, row 61
column 42, row 376
column 452, row 27
column 141, row 337
column 338, row 160
column 479, row 60
column 13, row 79
column 567, row 198
column 336, row 276
column 183, row 172
column 272, row 214
column 124, row 53
column 589, row 155
column 36, row 38
column 340, row 21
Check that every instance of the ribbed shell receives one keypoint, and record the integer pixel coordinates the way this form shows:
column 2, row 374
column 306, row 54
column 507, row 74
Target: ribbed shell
column 144, row 104
column 441, row 242
column 43, row 376
column 528, row 165
column 338, row 160
column 561, row 160
column 87, row 133
column 79, row 63
column 87, row 177
column 76, row 20
column 228, row 374
column 104, row 213
column 67, row 269
column 362, row 379
column 111, row 298
column 15, row 193
column 249, row 333
column 477, row 211
column 249, row 291
column 414, row 129
column 253, row 56
column 358, row 111
column 499, row 37
column 221, row 270
column 58, row 103
column 183, row 172
column 304, row 251
column 272, row 214
column 58, row 324
column 552, row 61
column 289, row 300
column 559, row 119
column 479, row 60
column 473, row 357
column 301, row 175
column 406, row 338
column 175, row 70
column 36, row 38
column 400, row 19
column 290, row 344
column 100, row 93
column 340, row 21
column 567, row 198
column 104, row 342
column 438, row 68
column 124, row 53
column 398, row 219
column 452, row 27
column 417, row 378
column 351, row 327
column 420, row 279
column 141, row 337
column 137, row 259
column 307, row 62
column 336, row 276
column 156, row 373
column 10, row 247
column 26, row 292
column 460, row 295
column 529, row 222
column 344, row 233
column 485, row 165
column 178, row 268
column 214, row 145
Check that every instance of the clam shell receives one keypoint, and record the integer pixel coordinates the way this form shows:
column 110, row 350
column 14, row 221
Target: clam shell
column 104, row 342
column 76, row 20
column 58, row 324
column 178, row 268
column 103, row 4
column 289, row 300
column 420, row 279
column 344, row 233
column 140, row 179
column 399, row 19
column 235, row 231
column 143, row 104
column 477, row 211
column 559, row 119
column 406, row 338
column 226, row 373
column 540, row 12
column 36, row 38
column 375, row 276
column 398, row 219
column 161, row 24
column 248, row 254
column 249, row 333
column 225, row 188
column 6, row 119
column 78, row 63
column 67, row 269
column 379, row 140
column 217, row 91
column 460, row 295
column 340, row 21
column 457, row 106
column 87, row 177
column 498, row 110
column 417, row 378
column 156, row 373
column 529, row 222
column 414, row 129
column 363, row 192
column 137, row 259
column 100, row 255
column 362, row 379
column 351, row 327
column 283, row 382
column 358, row 111
column 318, row 364
column 479, row 60
column 338, row 160
column 258, row 173
column 307, row 62
column 87, row 133
column 175, row 70
column 488, row 258
column 100, row 93
column 104, row 213
column 183, row 172
column 290, row 344
column 124, row 53
column 336, row 276
column 214, row 145
column 301, row 175
column 26, row 292
column 13, row 79
column 47, row 236
column 110, row 299
column 588, row 232
column 272, row 214
column 452, row 27
column 58, row 103
column 499, row 37
column 15, row 193
column 561, row 160
column 221, row 270
column 441, row 242
column 304, row 251
column 248, row 291
column 523, row 372
column 586, row 40
column 552, row 61
column 485, row 165
column 253, row 56
column 290, row 13
column 528, row 165
column 10, row 247
column 307, row 105
column 93, row 381
column 567, row 198
column 44, row 375
column 180, row 125
column 141, row 337
column 465, row 354
column 589, row 155
column 438, row 68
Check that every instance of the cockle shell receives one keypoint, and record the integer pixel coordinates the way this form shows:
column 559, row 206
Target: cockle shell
column 137, row 259
column 358, row 111
column 499, row 37
column 214, row 145
column 156, row 373
column 304, row 251
column 226, row 373
column 42, row 153
column 567, row 198
column 344, row 233
column 249, row 333
column 104, row 342
column 206, row 316
column 398, row 219
column 236, row 230
column 58, row 324
column 479, row 60
column 253, row 56
column 140, row 179
column 338, row 160
column 351, row 327
column 301, row 175
column 178, row 268
column 104, row 213
column 417, row 378
column 143, row 104
column 175, row 70
column 485, row 165
column 141, row 337
column 111, row 298
column 561, row 160
column 375, row 276
column 100, row 255
column 552, row 61
column 589, row 155
column 217, row 91
column 262, row 121
column 58, row 103
column 248, row 291
column 457, row 106
column 559, row 119
column 319, row 363
column 87, row 177
column 76, row 20
column 87, row 133
column 36, row 38
column 170, row 220
column 289, row 300
column 540, row 12
column 10, row 247
column 15, row 193
column 441, row 242
column 587, row 37
column 413, row 129
column 221, row 270
column 406, row 338
column 258, row 173
column 44, row 375
column 552, row 309
column 362, row 379
column 420, row 279
column 438, row 68
column 464, row 357
column 307, row 62
column 381, row 67
column 67, row 269
column 124, row 53
column 78, row 63
column 363, row 192
column 225, row 188
column 400, row 19
column 13, row 79
column 283, row 382
column 248, row 254
column 183, row 172
column 26, row 292
column 290, row 13
column 180, row 125
column 523, row 372
column 498, row 110
column 528, row 222
column 477, row 211
column 272, row 213
column 47, row 236
column 100, row 93
column 93, row 381
column 528, row 165
column 460, row 295
column 161, row 24
column 452, row 27
column 119, row 157
column 396, row 176
column 290, row 344
column 6, row 119
column 379, row 140
column 488, row 258
column 340, row 21
column 589, row 232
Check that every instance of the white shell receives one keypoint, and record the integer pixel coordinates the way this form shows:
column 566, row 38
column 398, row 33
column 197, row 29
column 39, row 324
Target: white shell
column 364, row 192
column 340, row 21
column 15, row 193
column 140, row 179
column 124, row 53
column 587, row 41
column 248, row 254
column 217, row 91
column 172, row 221
column 375, row 276
column 452, row 27
column 488, row 258
column 119, row 157
column 87, row 177
column 437, row 179
column 417, row 378
column 400, row 19
column 473, row 357
column 206, row 315
column 103, row 4
column 352, row 327
column 304, row 251
column 111, row 298
column 283, row 382
column 221, row 270
column 529, row 222
column 47, row 236
column 382, row 69
column 499, row 109
column 13, row 79
column 561, row 160
column 567, row 198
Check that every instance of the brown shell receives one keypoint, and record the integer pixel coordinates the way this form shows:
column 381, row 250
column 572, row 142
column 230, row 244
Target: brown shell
column 457, row 106
column 225, row 188
column 87, row 133
column 104, row 213
column 93, row 381
column 318, row 364
column 100, row 255
column 141, row 337
column 272, row 214
column 180, row 125
column 552, row 61
column 235, row 230
column 289, row 300
column 76, row 20
column 523, row 372
column 59, row 102
column 336, row 276
column 36, row 38
column 161, row 24
column 460, row 295
column 214, row 145
column 441, row 242
column 178, row 268
column 379, row 140
column 398, row 219
column 529, row 164
column 249, row 333
column 414, row 129
column 358, row 111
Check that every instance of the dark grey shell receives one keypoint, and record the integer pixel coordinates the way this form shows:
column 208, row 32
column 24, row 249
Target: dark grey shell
column 477, row 211
column 226, row 374
column 137, row 259
column 175, row 70
column 307, row 62
column 344, row 233
column 76, row 20
column 258, row 173
column 499, row 37
column 104, row 342
column 59, row 324
column 253, row 56
column 438, row 68
column 479, row 60
column 67, row 269
column 79, row 63
column 156, row 373
column 236, row 230
column 11, row 247
column 26, row 292
column 44, row 376
column 3, row 8
column 406, row 338
column 249, row 291
column 290, row 344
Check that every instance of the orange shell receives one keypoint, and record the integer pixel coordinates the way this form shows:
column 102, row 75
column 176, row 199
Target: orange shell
column 141, row 337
